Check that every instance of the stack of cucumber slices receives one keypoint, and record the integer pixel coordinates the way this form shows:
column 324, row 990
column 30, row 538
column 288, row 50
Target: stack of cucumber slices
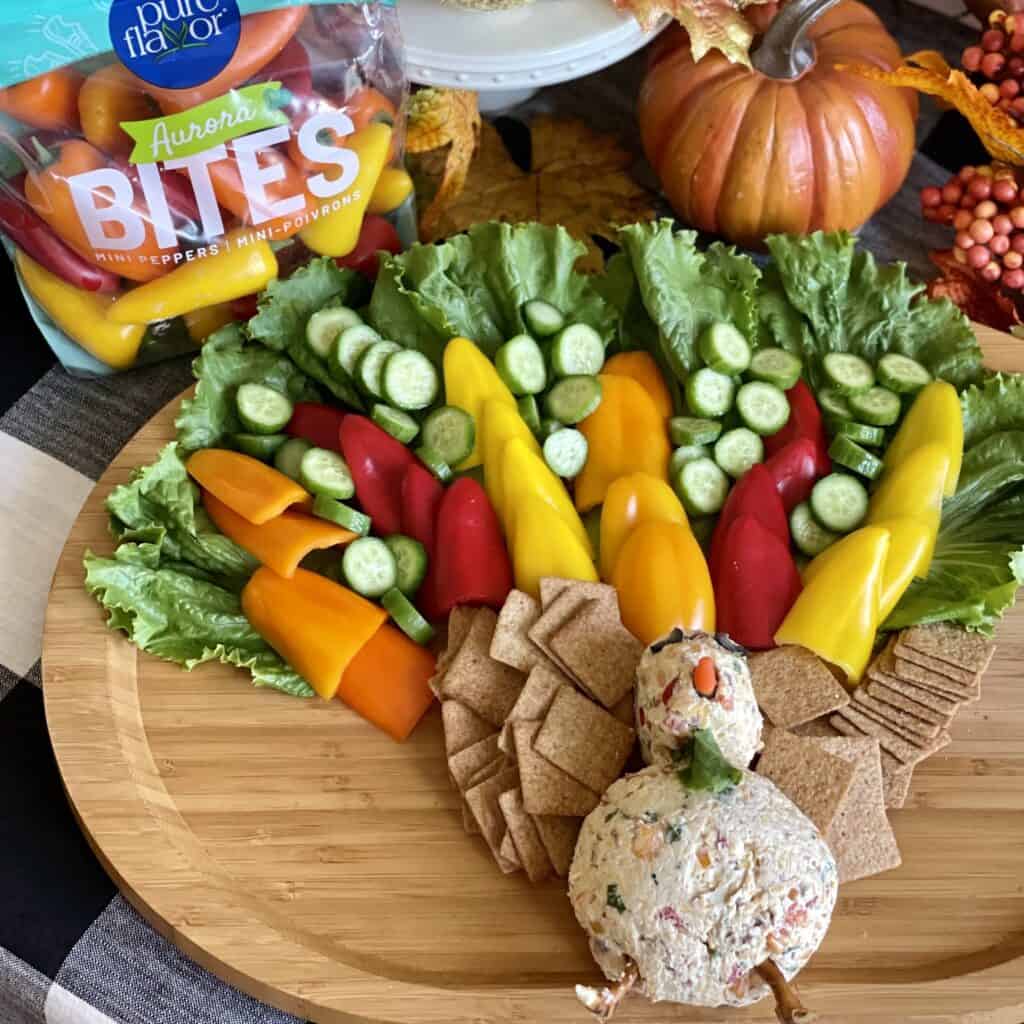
column 735, row 399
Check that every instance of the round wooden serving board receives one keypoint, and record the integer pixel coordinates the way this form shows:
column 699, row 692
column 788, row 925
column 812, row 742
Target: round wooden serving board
column 305, row 857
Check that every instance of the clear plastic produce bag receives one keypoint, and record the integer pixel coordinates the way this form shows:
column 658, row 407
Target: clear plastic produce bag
column 164, row 160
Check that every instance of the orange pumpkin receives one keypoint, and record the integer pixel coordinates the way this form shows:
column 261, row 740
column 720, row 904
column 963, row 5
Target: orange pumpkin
column 792, row 145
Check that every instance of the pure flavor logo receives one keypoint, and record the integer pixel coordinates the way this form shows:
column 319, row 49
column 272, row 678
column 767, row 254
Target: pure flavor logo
column 175, row 44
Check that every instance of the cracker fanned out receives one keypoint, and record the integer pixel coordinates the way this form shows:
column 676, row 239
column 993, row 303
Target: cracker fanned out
column 510, row 644
column 793, row 686
column 547, row 789
column 530, row 851
column 483, row 803
column 462, row 727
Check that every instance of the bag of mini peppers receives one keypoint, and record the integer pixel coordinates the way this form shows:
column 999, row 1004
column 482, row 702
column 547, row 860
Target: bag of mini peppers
column 163, row 160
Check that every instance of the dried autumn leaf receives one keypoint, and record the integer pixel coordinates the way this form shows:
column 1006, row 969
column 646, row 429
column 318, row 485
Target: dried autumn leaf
column 577, row 178
column 999, row 133
column 711, row 24
column 980, row 300
column 438, row 118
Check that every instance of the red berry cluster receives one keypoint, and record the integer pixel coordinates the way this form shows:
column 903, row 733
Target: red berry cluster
column 986, row 207
column 999, row 59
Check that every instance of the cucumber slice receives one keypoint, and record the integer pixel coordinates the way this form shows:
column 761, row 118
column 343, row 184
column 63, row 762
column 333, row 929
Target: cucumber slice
column 527, row 406
column 406, row 617
column 577, row 350
column 400, row 425
column 850, row 454
column 684, row 454
column 737, row 450
column 542, row 319
column 325, row 325
column 775, row 366
column 878, row 406
column 410, row 562
column 709, row 393
column 409, row 380
column 859, row 432
column 834, row 404
column 370, row 367
column 450, row 433
column 288, row 459
column 762, row 407
column 839, row 502
column 520, row 364
column 724, row 349
column 573, row 399
column 685, row 430
column 341, row 515
column 808, row 534
column 848, row 373
column 441, row 469
column 260, row 446
column 263, row 410
column 326, row 472
column 351, row 344
column 902, row 374
column 369, row 567
column 702, row 487
column 565, row 452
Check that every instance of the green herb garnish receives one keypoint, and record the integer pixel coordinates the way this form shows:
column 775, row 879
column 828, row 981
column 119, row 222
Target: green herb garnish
column 707, row 769
column 614, row 898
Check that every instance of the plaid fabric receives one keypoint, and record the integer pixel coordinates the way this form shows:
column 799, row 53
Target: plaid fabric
column 71, row 950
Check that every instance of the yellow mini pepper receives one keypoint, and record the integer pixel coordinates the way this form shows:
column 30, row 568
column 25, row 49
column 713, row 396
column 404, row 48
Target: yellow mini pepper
column 525, row 474
column 935, row 417
column 542, row 544
column 663, row 581
column 626, row 434
column 641, row 367
column 201, row 323
column 837, row 613
column 82, row 315
column 244, row 265
column 470, row 379
column 336, row 233
column 393, row 188
column 632, row 500
column 498, row 424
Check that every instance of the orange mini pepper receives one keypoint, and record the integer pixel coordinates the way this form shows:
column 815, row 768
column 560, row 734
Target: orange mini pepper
column 364, row 107
column 247, row 486
column 50, row 195
column 629, row 501
column 110, row 95
column 642, row 368
column 388, row 682
column 626, row 434
column 315, row 624
column 49, row 100
column 262, row 37
column 663, row 581
column 279, row 543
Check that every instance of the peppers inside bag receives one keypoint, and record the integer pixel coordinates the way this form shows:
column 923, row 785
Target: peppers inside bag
column 163, row 160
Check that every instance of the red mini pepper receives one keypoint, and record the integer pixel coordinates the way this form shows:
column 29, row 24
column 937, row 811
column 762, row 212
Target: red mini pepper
column 378, row 464
column 756, row 585
column 471, row 563
column 794, row 468
column 804, row 421
column 376, row 235
column 421, row 499
column 755, row 494
column 319, row 424
column 290, row 67
column 26, row 229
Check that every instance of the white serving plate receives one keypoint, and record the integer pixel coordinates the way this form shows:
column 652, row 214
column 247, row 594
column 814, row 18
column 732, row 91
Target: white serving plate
column 507, row 55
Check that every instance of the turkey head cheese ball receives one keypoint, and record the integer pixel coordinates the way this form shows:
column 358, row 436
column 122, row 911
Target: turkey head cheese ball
column 697, row 888
column 690, row 681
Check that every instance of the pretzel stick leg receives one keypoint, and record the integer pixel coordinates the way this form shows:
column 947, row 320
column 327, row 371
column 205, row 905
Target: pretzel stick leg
column 788, row 1008
column 601, row 1002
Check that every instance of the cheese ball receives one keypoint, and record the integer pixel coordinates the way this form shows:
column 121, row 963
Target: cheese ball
column 669, row 708
column 699, row 888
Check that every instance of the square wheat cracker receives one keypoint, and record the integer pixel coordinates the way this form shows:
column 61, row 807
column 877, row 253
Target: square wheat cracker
column 894, row 698
column 547, row 789
column 558, row 834
column 599, row 651
column 860, row 837
column 530, row 850
column 914, row 738
column 462, row 726
column 476, row 679
column 815, row 780
column 894, row 716
column 896, row 780
column 584, row 740
column 901, row 652
column 793, row 686
column 510, row 644
column 507, row 850
column 466, row 763
column 940, row 703
column 954, row 645
column 483, row 802
column 815, row 727
column 855, row 725
column 552, row 586
column 533, row 701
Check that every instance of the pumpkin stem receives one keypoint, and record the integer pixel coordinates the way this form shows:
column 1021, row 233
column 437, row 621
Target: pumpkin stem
column 785, row 51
